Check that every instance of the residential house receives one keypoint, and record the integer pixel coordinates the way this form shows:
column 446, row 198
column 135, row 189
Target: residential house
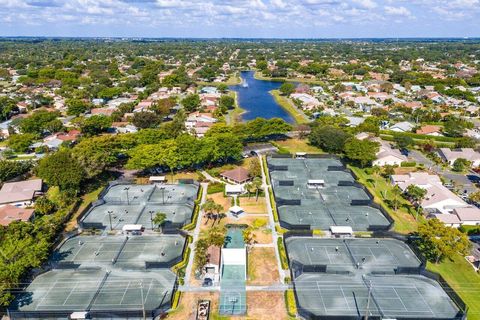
column 308, row 102
column 404, row 126
column 438, row 198
column 431, row 130
column 10, row 213
column 20, row 194
column 450, row 155
column 387, row 155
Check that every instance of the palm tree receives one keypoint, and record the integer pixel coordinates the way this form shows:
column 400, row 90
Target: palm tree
column 396, row 192
column 249, row 187
column 159, row 219
column 257, row 184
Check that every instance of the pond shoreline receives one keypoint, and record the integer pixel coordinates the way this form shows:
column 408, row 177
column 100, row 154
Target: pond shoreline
column 253, row 96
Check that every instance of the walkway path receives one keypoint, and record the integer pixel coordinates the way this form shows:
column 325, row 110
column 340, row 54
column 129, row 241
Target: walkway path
column 196, row 233
column 275, row 235
column 274, row 287
column 213, row 179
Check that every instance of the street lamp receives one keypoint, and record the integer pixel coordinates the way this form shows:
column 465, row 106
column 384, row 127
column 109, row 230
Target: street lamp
column 163, row 194
column 151, row 218
column 110, row 218
column 126, row 189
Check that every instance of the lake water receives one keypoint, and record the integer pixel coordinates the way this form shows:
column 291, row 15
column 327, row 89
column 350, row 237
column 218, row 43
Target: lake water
column 256, row 100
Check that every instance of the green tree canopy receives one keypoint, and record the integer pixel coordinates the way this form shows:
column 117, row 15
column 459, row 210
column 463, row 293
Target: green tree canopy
column 329, row 138
column 362, row 152
column 61, row 169
column 437, row 241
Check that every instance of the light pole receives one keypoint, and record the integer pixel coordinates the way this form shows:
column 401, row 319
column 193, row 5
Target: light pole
column 143, row 303
column 163, row 194
column 126, row 189
column 151, row 218
column 110, row 218
column 368, row 300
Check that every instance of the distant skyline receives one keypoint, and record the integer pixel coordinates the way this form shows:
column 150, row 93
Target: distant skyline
column 241, row 19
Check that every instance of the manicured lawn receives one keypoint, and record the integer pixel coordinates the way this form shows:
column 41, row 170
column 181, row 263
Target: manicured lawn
column 294, row 145
column 86, row 200
column 234, row 115
column 382, row 191
column 287, row 104
column 463, row 279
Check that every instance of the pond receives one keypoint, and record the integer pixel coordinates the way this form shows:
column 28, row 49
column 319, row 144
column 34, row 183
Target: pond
column 255, row 99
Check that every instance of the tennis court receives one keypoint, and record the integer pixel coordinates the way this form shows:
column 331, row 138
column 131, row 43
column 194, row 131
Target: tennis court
column 379, row 255
column 174, row 193
column 233, row 296
column 97, row 289
column 339, row 201
column 119, row 215
column 114, row 211
column 128, row 193
column 405, row 296
column 134, row 251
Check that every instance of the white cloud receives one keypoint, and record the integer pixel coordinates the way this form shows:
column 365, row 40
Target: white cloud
column 397, row 11
column 367, row 4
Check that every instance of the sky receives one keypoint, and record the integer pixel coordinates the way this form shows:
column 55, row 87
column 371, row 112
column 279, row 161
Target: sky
column 241, row 18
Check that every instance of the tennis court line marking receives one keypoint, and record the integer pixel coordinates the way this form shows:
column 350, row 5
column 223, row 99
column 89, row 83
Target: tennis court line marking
column 399, row 298
column 321, row 297
column 345, row 298
column 421, row 296
column 148, row 291
column 125, row 292
column 45, row 296
column 73, row 289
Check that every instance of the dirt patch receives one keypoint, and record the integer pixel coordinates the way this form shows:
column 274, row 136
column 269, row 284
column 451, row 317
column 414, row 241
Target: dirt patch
column 266, row 306
column 405, row 170
column 253, row 206
column 187, row 308
column 219, row 198
column 262, row 266
column 263, row 236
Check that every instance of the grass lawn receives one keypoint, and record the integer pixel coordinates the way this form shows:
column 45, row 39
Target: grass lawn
column 288, row 105
column 233, row 80
column 234, row 115
column 382, row 190
column 259, row 76
column 262, row 266
column 294, row 145
column 86, row 200
column 462, row 278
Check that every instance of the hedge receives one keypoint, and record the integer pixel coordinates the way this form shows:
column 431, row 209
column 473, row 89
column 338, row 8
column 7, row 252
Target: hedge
column 274, row 206
column 265, row 170
column 196, row 210
column 291, row 303
column 176, row 299
column 180, row 267
column 419, row 136
column 408, row 164
column 282, row 253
